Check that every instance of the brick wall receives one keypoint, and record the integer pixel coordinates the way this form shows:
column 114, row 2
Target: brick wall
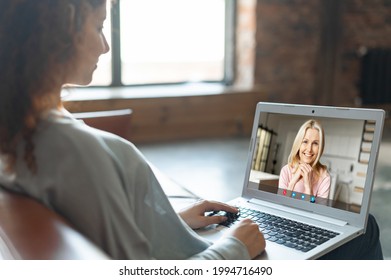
column 308, row 51
column 245, row 43
column 366, row 24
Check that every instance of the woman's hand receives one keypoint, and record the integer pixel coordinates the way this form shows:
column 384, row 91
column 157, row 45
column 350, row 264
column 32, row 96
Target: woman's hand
column 248, row 233
column 194, row 215
column 296, row 178
column 246, row 230
column 306, row 172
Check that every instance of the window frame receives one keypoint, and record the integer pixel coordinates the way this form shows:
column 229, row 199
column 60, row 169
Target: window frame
column 229, row 48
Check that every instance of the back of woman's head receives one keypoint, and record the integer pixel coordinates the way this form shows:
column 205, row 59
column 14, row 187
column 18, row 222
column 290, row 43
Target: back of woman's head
column 36, row 44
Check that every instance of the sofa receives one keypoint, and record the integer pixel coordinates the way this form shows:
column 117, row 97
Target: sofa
column 31, row 231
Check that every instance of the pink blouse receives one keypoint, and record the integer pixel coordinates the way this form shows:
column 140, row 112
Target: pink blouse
column 320, row 189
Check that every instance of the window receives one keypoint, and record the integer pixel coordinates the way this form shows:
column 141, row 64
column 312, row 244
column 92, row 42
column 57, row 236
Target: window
column 163, row 42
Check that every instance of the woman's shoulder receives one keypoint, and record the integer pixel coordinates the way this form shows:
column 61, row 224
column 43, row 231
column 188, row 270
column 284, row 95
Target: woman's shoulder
column 73, row 136
column 290, row 167
column 71, row 130
column 68, row 138
column 286, row 169
column 323, row 172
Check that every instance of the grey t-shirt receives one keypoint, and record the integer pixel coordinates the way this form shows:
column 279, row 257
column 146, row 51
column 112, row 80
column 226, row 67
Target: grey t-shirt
column 103, row 185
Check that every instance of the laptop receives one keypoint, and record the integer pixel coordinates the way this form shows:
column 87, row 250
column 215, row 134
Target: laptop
column 351, row 144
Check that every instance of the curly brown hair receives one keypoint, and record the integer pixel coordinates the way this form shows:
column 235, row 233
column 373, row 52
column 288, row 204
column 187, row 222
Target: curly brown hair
column 37, row 39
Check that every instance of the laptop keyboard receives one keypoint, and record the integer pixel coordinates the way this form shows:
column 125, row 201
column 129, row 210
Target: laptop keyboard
column 282, row 231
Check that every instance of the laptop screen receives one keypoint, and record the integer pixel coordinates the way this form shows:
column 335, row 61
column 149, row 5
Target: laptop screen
column 315, row 155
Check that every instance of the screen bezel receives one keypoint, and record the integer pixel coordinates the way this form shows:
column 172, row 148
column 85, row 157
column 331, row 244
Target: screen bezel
column 311, row 111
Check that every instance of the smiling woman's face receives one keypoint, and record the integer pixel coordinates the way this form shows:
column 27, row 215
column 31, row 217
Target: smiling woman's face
column 90, row 45
column 309, row 147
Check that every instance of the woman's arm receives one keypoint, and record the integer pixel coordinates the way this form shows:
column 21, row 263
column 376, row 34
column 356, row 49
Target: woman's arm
column 246, row 232
column 324, row 186
column 194, row 215
column 283, row 181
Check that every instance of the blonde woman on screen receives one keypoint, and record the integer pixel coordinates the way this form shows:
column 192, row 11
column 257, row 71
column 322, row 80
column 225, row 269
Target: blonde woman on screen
column 304, row 173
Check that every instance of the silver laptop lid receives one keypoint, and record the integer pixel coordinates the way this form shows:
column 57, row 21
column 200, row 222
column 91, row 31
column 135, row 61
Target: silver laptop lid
column 350, row 150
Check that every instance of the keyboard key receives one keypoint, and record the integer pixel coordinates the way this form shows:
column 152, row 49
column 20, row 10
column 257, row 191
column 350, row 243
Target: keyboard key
column 285, row 232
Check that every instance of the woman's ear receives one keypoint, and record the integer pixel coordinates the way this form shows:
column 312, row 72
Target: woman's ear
column 75, row 21
column 68, row 36
column 71, row 18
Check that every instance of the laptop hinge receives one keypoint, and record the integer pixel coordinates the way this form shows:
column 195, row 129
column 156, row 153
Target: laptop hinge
column 299, row 212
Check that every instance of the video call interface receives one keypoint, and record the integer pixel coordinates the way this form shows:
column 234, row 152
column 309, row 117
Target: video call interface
column 346, row 148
